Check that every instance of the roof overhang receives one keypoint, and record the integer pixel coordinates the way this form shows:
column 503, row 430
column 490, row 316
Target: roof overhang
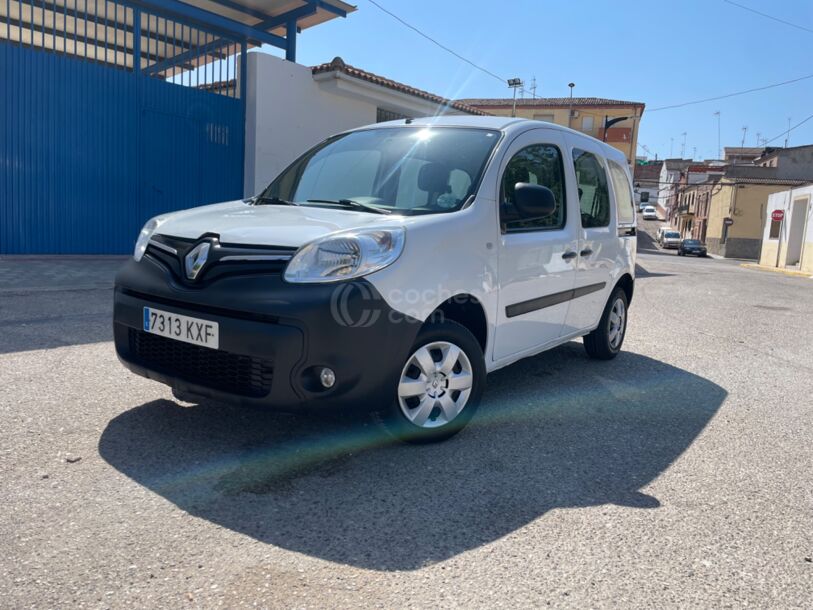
column 339, row 83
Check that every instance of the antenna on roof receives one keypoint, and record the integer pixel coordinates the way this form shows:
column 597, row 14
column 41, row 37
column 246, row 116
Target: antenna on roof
column 533, row 87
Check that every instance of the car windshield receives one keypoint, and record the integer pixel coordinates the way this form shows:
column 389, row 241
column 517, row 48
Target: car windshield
column 672, row 234
column 405, row 170
column 691, row 242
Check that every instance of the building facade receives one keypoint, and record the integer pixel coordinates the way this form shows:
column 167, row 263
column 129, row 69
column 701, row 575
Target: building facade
column 585, row 114
column 788, row 243
column 738, row 209
column 646, row 177
column 668, row 185
column 291, row 107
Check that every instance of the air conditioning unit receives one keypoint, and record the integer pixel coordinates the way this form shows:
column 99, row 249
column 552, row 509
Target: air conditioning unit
column 574, row 114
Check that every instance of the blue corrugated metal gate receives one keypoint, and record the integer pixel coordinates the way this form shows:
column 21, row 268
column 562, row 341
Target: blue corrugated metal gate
column 110, row 115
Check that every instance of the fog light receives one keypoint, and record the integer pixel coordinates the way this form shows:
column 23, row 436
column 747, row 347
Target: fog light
column 327, row 377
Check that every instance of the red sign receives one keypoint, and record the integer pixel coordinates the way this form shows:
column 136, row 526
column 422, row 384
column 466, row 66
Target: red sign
column 778, row 215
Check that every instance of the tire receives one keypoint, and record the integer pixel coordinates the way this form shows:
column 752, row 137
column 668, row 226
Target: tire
column 603, row 343
column 449, row 353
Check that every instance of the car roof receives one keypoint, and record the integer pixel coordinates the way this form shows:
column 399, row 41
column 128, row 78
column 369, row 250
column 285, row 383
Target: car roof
column 508, row 125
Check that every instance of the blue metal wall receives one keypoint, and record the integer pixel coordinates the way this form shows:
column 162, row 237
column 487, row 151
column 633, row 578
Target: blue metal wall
column 89, row 150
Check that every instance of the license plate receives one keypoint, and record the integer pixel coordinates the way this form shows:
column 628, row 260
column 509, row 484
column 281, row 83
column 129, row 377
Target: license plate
column 182, row 328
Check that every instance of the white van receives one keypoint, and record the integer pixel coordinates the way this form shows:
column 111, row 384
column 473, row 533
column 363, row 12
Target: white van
column 388, row 269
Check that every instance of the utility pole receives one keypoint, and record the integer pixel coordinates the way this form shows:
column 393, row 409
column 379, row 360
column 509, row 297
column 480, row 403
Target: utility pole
column 514, row 83
column 787, row 134
column 719, row 150
column 570, row 106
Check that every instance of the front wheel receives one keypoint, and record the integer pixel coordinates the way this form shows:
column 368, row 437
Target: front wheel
column 605, row 341
column 439, row 387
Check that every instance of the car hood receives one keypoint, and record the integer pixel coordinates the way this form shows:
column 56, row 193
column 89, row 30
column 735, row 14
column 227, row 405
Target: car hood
column 236, row 222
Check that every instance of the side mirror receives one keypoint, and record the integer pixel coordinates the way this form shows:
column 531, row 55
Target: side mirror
column 533, row 200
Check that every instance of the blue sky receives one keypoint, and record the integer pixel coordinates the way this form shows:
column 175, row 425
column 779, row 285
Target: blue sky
column 660, row 53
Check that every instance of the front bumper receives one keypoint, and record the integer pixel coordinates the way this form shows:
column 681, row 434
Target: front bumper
column 274, row 338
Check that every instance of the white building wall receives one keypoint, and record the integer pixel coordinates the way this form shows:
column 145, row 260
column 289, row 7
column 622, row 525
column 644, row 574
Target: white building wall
column 286, row 113
column 288, row 110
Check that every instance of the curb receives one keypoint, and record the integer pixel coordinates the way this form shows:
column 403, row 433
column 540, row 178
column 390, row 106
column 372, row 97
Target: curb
column 787, row 272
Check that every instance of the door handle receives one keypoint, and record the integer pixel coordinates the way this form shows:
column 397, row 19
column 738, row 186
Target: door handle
column 586, row 252
column 568, row 255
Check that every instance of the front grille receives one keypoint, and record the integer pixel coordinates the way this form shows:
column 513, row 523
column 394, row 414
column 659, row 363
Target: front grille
column 215, row 369
column 225, row 260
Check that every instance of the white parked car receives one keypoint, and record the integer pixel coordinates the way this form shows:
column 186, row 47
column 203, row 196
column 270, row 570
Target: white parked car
column 650, row 213
column 671, row 239
column 661, row 231
column 389, row 269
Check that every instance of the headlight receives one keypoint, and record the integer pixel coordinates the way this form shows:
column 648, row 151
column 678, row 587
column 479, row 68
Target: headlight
column 144, row 237
column 343, row 256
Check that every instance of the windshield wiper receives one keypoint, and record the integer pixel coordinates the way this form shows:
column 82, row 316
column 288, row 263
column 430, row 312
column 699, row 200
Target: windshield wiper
column 349, row 203
column 263, row 200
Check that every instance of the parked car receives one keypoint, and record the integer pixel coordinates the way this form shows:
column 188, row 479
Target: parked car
column 692, row 246
column 650, row 213
column 660, row 232
column 376, row 273
column 670, row 239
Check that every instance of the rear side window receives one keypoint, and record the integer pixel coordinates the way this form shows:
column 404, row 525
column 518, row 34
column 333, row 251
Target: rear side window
column 538, row 164
column 594, row 195
column 625, row 208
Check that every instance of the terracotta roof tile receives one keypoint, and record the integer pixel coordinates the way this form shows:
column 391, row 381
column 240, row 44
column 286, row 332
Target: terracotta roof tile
column 547, row 102
column 338, row 65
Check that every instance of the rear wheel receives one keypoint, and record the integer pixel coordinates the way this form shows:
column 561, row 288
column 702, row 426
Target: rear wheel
column 606, row 340
column 439, row 387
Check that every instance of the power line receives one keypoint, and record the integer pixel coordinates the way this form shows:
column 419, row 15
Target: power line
column 771, row 17
column 435, row 42
column 442, row 46
column 727, row 95
column 787, row 131
column 533, row 93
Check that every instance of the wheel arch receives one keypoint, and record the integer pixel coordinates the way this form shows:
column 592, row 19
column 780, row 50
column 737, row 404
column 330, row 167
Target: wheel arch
column 627, row 284
column 466, row 310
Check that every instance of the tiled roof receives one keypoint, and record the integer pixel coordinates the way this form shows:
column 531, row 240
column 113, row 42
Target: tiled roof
column 338, row 65
column 699, row 168
column 751, row 174
column 648, row 172
column 547, row 102
column 681, row 164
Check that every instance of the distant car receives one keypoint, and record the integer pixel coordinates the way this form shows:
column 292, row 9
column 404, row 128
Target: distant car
column 650, row 213
column 671, row 239
column 691, row 246
column 643, row 201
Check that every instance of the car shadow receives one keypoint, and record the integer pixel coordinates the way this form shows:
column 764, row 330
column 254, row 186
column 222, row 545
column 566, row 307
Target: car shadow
column 554, row 431
column 642, row 272
column 648, row 245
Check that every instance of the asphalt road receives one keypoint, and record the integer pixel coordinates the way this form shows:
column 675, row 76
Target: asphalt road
column 679, row 474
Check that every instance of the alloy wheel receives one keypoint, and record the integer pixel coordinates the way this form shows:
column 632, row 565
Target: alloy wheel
column 618, row 320
column 435, row 384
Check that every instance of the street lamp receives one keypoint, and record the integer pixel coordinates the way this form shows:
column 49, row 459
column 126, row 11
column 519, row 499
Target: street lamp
column 570, row 106
column 514, row 83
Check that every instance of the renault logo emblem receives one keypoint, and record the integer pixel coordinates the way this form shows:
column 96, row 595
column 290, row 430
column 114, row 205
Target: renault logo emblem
column 196, row 259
